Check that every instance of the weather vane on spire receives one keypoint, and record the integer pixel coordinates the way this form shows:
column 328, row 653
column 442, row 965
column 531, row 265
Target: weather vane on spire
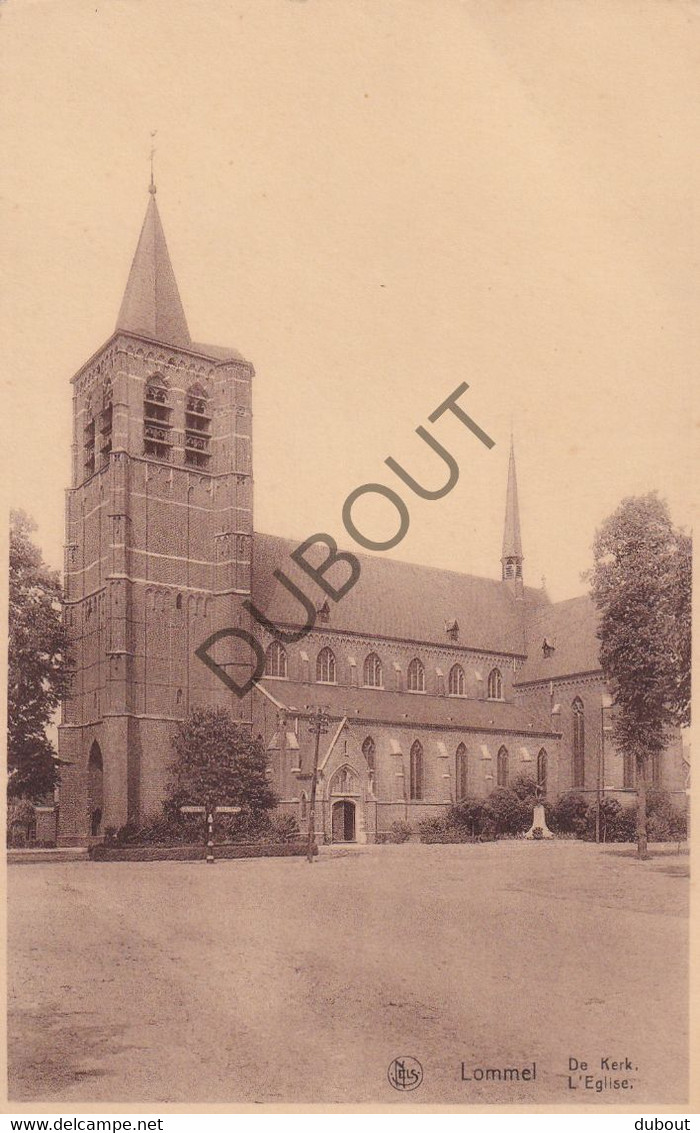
column 152, row 186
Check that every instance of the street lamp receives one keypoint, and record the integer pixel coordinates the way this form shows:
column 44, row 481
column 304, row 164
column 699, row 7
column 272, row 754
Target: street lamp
column 318, row 726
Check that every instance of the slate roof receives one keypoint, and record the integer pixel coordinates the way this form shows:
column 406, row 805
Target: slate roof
column 221, row 353
column 398, row 600
column 151, row 305
column 570, row 627
column 405, row 709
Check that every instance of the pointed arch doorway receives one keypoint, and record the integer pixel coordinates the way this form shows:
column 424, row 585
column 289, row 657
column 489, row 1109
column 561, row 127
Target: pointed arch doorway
column 343, row 821
column 344, row 793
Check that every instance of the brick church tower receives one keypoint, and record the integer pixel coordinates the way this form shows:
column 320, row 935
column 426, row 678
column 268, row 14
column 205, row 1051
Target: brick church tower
column 159, row 522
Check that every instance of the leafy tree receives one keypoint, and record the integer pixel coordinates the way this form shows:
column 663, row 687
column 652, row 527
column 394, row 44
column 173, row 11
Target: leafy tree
column 641, row 584
column 38, row 670
column 218, row 763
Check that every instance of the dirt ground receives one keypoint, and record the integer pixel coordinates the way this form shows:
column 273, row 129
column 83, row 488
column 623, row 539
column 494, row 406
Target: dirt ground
column 273, row 981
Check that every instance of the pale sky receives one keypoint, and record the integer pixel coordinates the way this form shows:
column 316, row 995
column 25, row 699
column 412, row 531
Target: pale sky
column 374, row 201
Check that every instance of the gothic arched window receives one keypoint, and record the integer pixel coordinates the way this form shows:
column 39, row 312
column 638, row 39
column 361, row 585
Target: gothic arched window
column 369, row 752
column 502, row 767
column 275, row 660
column 416, row 676
column 461, row 773
column 495, row 685
column 416, row 776
column 542, row 770
column 456, row 684
column 579, row 743
column 372, row 674
column 325, row 666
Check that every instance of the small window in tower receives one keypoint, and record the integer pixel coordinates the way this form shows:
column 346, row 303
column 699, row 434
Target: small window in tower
column 452, row 630
column 197, row 427
column 547, row 647
column 157, row 427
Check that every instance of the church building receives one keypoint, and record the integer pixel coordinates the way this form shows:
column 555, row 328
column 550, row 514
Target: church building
column 438, row 685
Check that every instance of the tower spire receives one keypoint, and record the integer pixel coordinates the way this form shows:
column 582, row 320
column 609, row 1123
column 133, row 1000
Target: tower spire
column 151, row 305
column 512, row 553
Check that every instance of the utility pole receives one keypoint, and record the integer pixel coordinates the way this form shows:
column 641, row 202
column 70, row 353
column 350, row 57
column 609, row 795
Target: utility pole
column 318, row 726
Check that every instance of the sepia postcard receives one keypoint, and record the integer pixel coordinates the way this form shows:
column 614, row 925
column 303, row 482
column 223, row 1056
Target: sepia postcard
column 347, row 372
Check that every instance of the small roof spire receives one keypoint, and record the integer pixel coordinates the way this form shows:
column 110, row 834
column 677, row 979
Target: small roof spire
column 512, row 554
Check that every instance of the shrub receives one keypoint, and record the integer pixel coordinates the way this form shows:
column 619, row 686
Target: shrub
column 609, row 814
column 433, row 830
column 400, row 831
column 284, row 828
column 665, row 823
column 469, row 817
column 20, row 822
column 678, row 825
column 569, row 814
column 509, row 814
column 443, row 829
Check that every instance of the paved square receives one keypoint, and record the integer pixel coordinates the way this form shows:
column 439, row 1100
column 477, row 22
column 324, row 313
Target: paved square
column 271, row 980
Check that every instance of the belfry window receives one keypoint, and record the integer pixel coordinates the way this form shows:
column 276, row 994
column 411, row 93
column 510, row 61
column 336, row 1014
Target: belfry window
column 495, row 685
column 197, row 428
column 416, row 676
column 106, row 425
column 157, row 426
column 456, row 685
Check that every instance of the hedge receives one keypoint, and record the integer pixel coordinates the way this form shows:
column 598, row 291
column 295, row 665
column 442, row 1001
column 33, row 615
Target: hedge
column 197, row 853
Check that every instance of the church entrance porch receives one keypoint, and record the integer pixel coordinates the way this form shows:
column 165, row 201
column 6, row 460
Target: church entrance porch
column 343, row 821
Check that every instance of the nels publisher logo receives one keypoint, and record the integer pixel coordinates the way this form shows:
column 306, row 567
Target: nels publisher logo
column 405, row 1073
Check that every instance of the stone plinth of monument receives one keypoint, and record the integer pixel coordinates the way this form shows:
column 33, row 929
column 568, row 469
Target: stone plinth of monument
column 539, row 828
